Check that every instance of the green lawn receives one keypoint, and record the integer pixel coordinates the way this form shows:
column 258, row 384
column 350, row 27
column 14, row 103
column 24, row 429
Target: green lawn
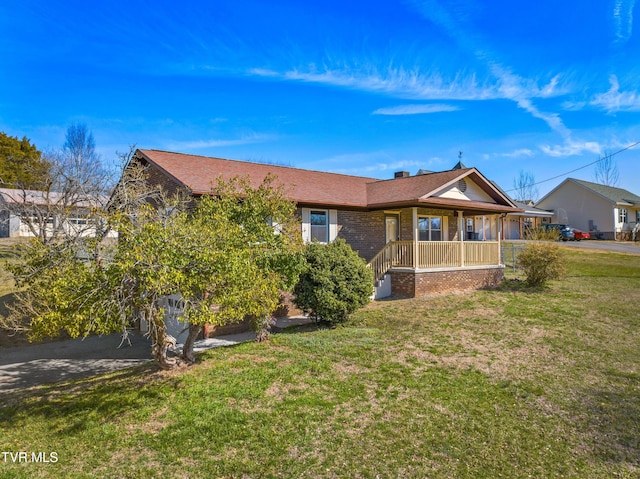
column 512, row 383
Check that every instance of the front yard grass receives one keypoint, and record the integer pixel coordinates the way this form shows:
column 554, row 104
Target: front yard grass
column 512, row 383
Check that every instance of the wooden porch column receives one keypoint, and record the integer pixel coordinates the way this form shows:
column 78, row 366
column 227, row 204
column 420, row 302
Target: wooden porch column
column 416, row 236
column 501, row 218
column 461, row 232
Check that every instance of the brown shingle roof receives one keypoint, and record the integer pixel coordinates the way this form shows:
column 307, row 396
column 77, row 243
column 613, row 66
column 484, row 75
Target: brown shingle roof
column 198, row 173
column 409, row 188
column 308, row 187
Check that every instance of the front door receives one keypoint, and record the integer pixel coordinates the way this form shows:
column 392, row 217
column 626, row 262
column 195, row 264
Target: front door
column 392, row 228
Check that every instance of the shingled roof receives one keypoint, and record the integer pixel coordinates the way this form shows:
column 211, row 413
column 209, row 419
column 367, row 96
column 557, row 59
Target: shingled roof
column 613, row 194
column 307, row 187
column 198, row 173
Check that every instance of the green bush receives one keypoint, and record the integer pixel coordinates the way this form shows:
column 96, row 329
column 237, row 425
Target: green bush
column 541, row 262
column 336, row 283
column 540, row 234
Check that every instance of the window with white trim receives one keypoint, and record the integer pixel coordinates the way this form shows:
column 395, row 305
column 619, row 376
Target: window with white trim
column 622, row 215
column 429, row 228
column 319, row 220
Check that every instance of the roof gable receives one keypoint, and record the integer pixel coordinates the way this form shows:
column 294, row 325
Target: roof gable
column 609, row 193
column 612, row 193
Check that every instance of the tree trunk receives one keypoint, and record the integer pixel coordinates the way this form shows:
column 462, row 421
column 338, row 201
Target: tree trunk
column 160, row 340
column 187, row 350
column 262, row 326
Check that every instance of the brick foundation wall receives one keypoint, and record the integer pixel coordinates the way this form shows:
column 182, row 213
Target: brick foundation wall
column 409, row 284
column 286, row 309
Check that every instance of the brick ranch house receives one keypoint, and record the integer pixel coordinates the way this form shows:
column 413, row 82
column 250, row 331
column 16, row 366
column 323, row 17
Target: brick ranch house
column 432, row 232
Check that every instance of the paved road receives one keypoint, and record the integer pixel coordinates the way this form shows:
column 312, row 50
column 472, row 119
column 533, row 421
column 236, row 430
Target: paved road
column 37, row 364
column 616, row 246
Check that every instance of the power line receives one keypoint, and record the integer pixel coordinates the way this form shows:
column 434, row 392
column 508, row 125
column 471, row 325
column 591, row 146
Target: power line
column 582, row 167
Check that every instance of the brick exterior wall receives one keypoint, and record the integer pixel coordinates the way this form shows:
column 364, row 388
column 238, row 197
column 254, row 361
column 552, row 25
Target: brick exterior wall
column 156, row 177
column 363, row 230
column 409, row 284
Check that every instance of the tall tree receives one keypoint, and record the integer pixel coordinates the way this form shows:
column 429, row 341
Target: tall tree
column 22, row 165
column 76, row 188
column 606, row 171
column 227, row 255
column 524, row 187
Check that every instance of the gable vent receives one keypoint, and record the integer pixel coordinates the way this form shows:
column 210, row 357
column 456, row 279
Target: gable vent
column 462, row 185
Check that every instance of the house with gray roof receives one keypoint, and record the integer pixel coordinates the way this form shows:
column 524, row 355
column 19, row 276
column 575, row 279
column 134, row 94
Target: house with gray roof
column 606, row 212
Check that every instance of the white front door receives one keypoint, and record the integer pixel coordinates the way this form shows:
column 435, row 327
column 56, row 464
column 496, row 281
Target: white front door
column 391, row 228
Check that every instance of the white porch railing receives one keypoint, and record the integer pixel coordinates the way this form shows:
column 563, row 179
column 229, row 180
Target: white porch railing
column 434, row 254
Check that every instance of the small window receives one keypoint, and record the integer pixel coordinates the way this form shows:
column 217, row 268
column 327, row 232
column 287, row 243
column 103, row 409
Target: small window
column 622, row 215
column 430, row 228
column 638, row 216
column 319, row 226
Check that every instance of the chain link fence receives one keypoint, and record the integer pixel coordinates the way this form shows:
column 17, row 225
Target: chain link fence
column 510, row 252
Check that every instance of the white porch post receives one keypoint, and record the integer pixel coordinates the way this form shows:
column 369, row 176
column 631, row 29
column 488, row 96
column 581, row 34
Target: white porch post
column 416, row 236
column 501, row 218
column 461, row 231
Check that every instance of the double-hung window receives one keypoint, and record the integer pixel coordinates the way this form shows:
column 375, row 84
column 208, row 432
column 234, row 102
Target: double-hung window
column 319, row 220
column 429, row 228
column 622, row 215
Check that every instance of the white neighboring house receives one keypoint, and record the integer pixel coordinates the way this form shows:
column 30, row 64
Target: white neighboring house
column 24, row 212
column 606, row 212
column 516, row 225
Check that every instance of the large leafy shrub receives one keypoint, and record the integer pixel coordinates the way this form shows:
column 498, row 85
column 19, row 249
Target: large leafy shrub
column 336, row 283
column 541, row 262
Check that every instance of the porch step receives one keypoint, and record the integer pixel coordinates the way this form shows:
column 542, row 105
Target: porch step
column 382, row 287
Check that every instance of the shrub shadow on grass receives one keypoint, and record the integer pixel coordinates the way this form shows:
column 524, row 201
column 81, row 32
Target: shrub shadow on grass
column 303, row 328
column 516, row 285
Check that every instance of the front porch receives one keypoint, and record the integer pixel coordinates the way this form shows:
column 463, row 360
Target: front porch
column 415, row 268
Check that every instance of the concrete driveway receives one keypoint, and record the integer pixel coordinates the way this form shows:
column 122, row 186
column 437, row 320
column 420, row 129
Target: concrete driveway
column 36, row 364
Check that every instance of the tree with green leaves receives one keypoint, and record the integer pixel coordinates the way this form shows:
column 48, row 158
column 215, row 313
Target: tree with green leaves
column 22, row 165
column 227, row 255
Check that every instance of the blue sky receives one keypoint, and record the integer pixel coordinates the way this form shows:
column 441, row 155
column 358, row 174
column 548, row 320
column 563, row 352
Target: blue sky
column 365, row 88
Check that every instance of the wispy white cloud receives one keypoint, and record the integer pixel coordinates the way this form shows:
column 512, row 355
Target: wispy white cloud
column 398, row 82
column 615, row 100
column 508, row 85
column 611, row 101
column 372, row 163
column 623, row 20
column 520, row 153
column 572, row 148
column 217, row 143
column 415, row 109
